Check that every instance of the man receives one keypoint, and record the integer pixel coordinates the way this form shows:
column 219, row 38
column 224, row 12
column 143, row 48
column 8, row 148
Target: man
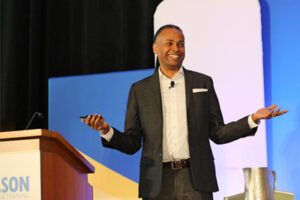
column 174, row 113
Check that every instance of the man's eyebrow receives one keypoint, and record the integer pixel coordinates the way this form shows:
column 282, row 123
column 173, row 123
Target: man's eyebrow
column 173, row 40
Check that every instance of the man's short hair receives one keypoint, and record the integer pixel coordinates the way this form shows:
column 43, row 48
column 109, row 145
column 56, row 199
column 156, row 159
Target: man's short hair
column 167, row 26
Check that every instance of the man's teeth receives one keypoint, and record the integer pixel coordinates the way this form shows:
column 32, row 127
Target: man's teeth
column 174, row 56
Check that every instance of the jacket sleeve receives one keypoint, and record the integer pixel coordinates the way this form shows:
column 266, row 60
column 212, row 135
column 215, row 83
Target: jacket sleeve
column 222, row 133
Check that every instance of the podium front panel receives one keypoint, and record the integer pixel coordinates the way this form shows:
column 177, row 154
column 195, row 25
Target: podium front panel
column 20, row 177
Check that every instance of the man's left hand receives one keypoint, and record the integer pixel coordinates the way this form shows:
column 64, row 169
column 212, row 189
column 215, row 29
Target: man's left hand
column 267, row 113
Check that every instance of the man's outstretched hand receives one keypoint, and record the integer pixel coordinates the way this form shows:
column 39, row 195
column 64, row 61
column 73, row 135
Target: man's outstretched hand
column 267, row 113
column 96, row 122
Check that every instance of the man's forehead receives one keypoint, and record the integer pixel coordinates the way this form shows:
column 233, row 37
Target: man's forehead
column 171, row 34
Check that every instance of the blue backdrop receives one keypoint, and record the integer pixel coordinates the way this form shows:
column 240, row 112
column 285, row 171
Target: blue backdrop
column 281, row 42
column 106, row 94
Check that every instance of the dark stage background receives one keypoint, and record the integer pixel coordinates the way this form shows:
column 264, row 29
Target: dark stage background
column 48, row 38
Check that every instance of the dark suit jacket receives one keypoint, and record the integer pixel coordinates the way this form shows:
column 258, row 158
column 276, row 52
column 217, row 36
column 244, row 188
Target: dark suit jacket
column 144, row 127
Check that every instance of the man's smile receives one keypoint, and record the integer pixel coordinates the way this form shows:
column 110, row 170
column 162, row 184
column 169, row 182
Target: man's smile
column 173, row 56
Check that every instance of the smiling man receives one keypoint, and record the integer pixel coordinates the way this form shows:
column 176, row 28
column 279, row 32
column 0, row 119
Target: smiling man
column 173, row 114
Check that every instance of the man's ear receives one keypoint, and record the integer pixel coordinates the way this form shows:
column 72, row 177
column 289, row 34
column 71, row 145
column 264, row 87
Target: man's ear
column 154, row 48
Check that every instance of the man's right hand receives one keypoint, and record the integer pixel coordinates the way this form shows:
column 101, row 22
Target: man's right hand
column 97, row 122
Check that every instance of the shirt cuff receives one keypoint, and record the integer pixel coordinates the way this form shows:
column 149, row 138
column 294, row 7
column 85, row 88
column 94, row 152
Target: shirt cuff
column 251, row 123
column 108, row 135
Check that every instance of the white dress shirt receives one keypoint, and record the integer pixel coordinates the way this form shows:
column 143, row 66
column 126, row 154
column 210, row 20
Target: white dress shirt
column 175, row 130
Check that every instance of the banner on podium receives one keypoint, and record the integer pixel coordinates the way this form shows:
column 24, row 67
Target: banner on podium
column 20, row 177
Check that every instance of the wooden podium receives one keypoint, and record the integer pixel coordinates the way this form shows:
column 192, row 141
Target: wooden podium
column 41, row 164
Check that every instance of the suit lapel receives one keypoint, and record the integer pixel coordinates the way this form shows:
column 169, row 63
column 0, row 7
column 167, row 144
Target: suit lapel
column 156, row 90
column 188, row 86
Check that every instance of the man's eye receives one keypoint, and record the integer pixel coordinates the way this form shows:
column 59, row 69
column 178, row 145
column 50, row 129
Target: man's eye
column 181, row 44
column 169, row 43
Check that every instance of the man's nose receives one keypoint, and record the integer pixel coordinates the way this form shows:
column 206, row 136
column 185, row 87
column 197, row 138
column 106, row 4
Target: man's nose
column 175, row 47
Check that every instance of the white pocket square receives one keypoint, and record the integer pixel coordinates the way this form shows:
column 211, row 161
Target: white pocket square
column 196, row 90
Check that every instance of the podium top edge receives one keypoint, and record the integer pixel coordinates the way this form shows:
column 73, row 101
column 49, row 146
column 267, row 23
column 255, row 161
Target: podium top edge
column 22, row 134
column 43, row 133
